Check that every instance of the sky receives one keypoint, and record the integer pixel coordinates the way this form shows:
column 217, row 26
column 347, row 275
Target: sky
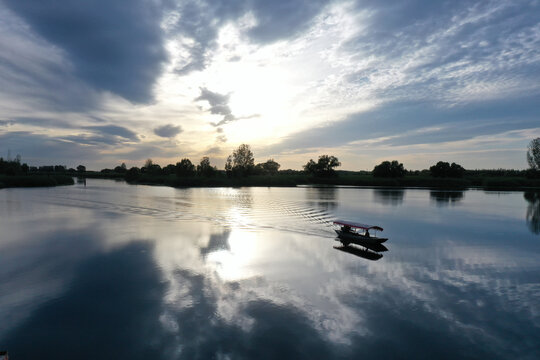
column 103, row 82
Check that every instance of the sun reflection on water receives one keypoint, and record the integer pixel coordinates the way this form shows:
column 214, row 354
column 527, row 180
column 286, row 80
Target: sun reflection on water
column 237, row 262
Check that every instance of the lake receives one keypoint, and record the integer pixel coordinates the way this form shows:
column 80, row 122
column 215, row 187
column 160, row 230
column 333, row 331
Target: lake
column 117, row 271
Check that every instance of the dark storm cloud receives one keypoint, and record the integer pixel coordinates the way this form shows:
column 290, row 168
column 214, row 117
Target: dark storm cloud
column 200, row 20
column 114, row 45
column 168, row 131
column 409, row 123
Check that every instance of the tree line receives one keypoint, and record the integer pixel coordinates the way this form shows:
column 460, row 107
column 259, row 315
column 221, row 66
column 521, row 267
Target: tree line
column 241, row 163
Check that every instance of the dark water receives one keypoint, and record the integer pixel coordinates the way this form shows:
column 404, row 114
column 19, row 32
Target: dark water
column 113, row 271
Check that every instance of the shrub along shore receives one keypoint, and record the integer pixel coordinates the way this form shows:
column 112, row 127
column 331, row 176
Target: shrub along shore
column 485, row 179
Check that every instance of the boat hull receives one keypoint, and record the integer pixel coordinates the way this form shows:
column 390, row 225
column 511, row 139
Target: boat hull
column 347, row 238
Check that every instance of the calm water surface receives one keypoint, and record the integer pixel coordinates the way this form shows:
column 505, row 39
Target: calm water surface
column 115, row 271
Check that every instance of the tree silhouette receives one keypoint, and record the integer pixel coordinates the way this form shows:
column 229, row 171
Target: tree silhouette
column 185, row 168
column 205, row 169
column 324, row 167
column 229, row 165
column 243, row 162
column 269, row 167
column 533, row 154
column 392, row 169
column 444, row 169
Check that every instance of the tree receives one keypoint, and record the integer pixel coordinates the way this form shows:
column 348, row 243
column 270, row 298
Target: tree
column 122, row 169
column 228, row 165
column 533, row 154
column 204, row 168
column 133, row 173
column 243, row 162
column 392, row 169
column 324, row 167
column 456, row 170
column 81, row 168
column 444, row 169
column 269, row 167
column 169, row 169
column 185, row 168
column 151, row 168
column 311, row 167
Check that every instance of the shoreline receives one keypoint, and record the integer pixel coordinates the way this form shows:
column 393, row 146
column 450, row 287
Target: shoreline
column 284, row 180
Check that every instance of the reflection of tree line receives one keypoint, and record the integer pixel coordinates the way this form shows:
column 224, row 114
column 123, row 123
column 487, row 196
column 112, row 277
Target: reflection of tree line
column 446, row 197
column 322, row 197
column 533, row 210
column 392, row 197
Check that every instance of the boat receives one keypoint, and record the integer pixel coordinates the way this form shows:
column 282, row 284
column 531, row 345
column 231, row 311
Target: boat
column 355, row 233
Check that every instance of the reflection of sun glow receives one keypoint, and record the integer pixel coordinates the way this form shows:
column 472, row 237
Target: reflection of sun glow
column 236, row 263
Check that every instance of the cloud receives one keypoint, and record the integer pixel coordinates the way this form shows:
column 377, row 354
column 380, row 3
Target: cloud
column 6, row 122
column 200, row 21
column 213, row 150
column 34, row 74
column 445, row 51
column 219, row 105
column 168, row 131
column 114, row 130
column 113, row 47
column 37, row 149
column 282, row 19
column 413, row 123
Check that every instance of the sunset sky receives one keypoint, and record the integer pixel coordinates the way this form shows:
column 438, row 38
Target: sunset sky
column 108, row 81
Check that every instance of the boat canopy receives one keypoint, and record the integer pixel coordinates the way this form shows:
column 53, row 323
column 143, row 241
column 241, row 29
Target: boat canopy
column 357, row 225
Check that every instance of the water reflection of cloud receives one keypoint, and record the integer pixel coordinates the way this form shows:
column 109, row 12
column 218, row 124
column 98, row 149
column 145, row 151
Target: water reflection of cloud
column 30, row 278
column 112, row 312
column 275, row 287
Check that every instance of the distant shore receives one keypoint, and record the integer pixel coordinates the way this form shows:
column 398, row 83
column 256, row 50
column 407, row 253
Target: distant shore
column 480, row 179
column 344, row 178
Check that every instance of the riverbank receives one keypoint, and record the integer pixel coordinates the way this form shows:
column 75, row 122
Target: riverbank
column 9, row 181
column 282, row 180
column 343, row 179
